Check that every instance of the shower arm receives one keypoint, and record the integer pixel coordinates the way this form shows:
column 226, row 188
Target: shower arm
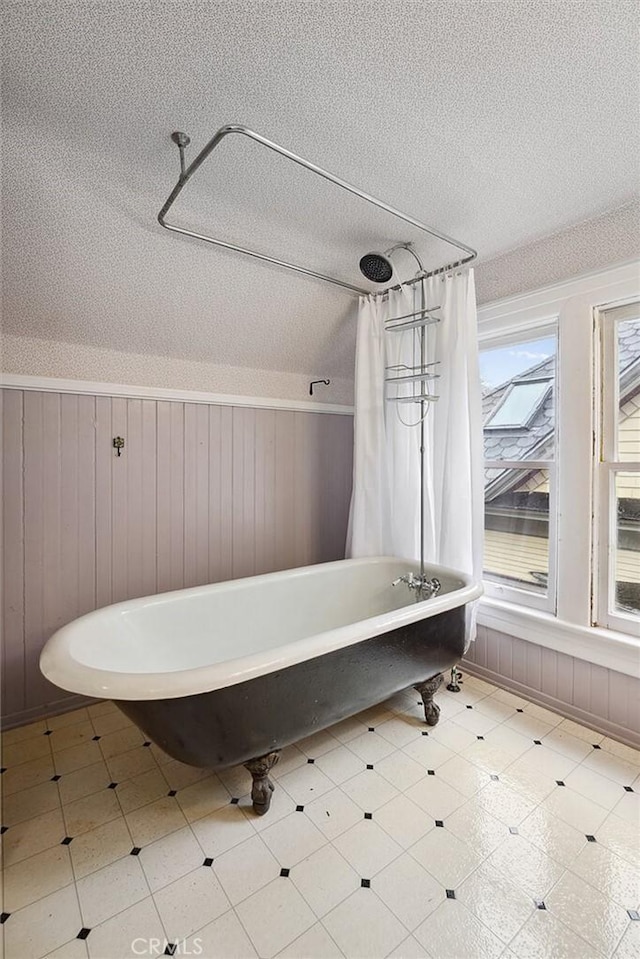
column 422, row 273
column 186, row 172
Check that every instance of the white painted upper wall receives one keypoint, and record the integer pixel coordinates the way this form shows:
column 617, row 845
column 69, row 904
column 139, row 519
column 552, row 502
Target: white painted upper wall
column 26, row 356
column 587, row 247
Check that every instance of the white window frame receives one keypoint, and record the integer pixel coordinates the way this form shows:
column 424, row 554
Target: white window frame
column 505, row 591
column 572, row 303
column 606, row 467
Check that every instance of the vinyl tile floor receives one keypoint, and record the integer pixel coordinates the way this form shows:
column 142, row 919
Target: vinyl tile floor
column 504, row 831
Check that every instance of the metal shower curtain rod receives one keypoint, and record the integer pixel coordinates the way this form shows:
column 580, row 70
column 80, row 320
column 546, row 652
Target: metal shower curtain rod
column 186, row 172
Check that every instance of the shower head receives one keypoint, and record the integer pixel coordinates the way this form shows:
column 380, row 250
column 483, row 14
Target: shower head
column 376, row 267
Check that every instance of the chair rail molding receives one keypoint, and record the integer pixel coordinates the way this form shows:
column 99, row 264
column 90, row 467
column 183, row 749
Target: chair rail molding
column 52, row 384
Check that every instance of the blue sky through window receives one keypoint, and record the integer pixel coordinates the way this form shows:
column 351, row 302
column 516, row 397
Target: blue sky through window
column 499, row 365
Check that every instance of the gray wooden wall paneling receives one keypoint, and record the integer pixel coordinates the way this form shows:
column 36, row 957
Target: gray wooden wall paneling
column 602, row 698
column 200, row 494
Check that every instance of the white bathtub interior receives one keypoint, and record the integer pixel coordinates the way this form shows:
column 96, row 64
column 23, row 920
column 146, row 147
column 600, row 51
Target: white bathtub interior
column 196, row 640
column 216, row 624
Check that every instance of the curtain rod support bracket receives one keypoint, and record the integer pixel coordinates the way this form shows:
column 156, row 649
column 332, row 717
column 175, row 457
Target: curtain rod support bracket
column 183, row 141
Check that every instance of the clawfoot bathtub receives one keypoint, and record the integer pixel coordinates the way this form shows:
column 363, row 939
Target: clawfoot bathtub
column 233, row 672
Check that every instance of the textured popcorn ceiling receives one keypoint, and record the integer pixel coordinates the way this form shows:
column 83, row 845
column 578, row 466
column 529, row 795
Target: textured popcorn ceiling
column 497, row 122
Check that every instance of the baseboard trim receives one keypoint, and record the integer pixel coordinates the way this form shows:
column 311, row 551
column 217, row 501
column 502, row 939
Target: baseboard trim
column 621, row 733
column 45, row 711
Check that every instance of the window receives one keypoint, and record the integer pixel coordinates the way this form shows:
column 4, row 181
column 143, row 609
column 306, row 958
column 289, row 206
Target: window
column 518, row 379
column 562, row 466
column 520, row 404
column 617, row 584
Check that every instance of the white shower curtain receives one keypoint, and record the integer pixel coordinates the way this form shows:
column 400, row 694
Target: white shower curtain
column 385, row 503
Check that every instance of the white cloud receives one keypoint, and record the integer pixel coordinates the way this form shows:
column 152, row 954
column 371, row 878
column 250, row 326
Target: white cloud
column 527, row 355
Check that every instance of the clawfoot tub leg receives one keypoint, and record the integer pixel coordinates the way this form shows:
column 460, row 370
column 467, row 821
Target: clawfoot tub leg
column 427, row 690
column 262, row 785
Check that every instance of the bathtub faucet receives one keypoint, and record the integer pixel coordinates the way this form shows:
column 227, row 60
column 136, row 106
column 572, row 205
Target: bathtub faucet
column 425, row 588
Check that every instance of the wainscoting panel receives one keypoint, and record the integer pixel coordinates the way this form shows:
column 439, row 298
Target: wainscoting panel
column 604, row 699
column 13, row 684
column 200, row 494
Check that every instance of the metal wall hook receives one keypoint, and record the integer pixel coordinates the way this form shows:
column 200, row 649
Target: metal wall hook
column 314, row 382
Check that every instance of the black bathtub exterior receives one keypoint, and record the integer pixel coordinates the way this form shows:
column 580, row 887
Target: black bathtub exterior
column 251, row 719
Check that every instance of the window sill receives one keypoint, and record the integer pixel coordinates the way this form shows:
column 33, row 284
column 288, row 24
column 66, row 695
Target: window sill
column 603, row 647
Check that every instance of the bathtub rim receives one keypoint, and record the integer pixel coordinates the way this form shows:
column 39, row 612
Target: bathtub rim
column 60, row 667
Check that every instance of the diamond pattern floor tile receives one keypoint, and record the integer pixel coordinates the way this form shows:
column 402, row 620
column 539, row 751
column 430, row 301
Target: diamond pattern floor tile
column 397, row 840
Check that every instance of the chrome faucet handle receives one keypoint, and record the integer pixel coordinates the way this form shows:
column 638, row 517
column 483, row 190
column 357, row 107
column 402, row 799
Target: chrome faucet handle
column 428, row 587
column 402, row 579
column 412, row 581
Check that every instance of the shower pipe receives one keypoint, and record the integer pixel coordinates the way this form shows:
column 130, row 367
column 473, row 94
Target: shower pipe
column 421, row 584
column 423, row 399
column 186, row 172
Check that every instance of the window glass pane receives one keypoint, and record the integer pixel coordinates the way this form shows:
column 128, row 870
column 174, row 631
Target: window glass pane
column 627, row 560
column 628, row 334
column 518, row 386
column 516, row 528
column 519, row 405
